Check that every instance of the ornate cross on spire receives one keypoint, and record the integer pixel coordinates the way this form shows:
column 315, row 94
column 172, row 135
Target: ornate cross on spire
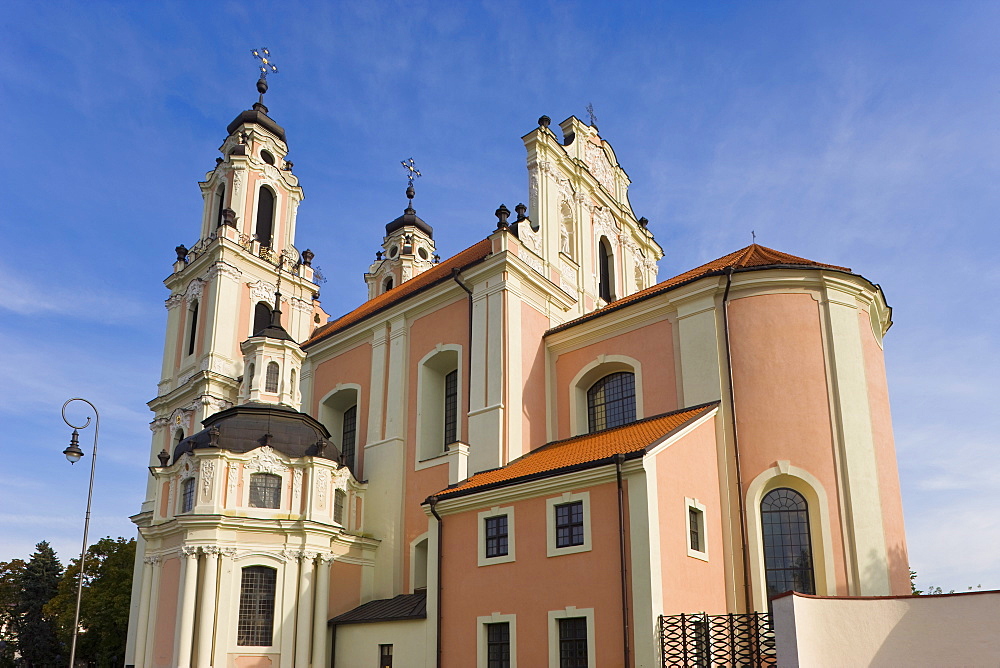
column 266, row 66
column 411, row 173
column 591, row 114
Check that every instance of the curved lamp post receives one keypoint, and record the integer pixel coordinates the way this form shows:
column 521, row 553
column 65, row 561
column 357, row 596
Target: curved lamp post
column 74, row 454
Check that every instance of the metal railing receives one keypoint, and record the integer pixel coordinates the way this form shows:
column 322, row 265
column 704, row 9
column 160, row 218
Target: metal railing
column 709, row 641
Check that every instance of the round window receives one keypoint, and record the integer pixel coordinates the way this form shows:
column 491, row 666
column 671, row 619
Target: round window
column 267, row 157
column 422, row 253
column 394, row 251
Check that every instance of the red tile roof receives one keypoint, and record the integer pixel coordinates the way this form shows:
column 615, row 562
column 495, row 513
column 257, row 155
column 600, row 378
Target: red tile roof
column 573, row 453
column 752, row 257
column 434, row 275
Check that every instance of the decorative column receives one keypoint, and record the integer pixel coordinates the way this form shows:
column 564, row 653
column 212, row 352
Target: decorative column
column 206, row 611
column 303, row 625
column 323, row 563
column 145, row 605
column 185, row 616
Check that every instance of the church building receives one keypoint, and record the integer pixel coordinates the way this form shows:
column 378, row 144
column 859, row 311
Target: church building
column 524, row 454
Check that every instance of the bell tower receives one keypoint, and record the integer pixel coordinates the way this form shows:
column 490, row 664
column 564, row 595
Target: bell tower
column 222, row 288
column 407, row 248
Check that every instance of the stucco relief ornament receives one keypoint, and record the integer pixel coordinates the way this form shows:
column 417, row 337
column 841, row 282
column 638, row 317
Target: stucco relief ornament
column 194, row 289
column 262, row 291
column 297, row 483
column 226, row 270
column 265, row 461
column 173, row 301
column 231, row 480
column 603, row 222
column 151, row 560
column 340, row 478
column 600, row 166
column 322, row 484
column 189, row 551
column 533, row 188
column 207, row 476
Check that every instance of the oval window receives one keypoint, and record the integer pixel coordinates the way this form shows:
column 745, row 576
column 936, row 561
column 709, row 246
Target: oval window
column 267, row 157
column 393, row 252
column 422, row 253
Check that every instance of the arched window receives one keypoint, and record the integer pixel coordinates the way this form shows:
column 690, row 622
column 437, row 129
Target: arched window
column 611, row 401
column 339, row 501
column 261, row 317
column 419, row 559
column 178, row 437
column 257, row 594
column 788, row 560
column 220, row 199
column 271, row 380
column 193, row 330
column 450, row 407
column 349, row 439
column 606, row 259
column 250, row 371
column 439, row 380
column 265, row 490
column 265, row 216
column 387, row 285
column 187, row 495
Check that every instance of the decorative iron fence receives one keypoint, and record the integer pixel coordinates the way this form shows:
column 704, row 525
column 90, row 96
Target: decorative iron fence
column 711, row 641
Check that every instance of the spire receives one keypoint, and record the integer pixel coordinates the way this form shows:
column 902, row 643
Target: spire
column 258, row 113
column 409, row 216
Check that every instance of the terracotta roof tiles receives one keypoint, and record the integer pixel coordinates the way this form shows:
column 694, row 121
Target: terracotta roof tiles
column 752, row 257
column 432, row 276
column 572, row 453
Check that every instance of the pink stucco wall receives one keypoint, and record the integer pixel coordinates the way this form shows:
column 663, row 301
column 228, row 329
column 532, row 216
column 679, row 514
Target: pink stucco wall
column 782, row 401
column 652, row 346
column 689, row 469
column 533, row 413
column 351, row 366
column 345, row 587
column 532, row 585
column 166, row 613
column 885, row 459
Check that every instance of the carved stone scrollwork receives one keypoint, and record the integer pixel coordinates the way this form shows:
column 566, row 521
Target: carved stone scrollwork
column 228, row 552
column 325, row 558
column 173, row 301
column 211, row 549
column 600, row 166
column 226, row 270
column 262, row 291
column 207, row 476
column 296, row 483
column 231, row 481
column 151, row 560
column 340, row 478
column 322, row 485
column 265, row 461
column 194, row 290
column 189, row 551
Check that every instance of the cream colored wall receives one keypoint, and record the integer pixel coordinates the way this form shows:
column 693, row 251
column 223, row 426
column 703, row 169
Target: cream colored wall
column 356, row 645
column 913, row 631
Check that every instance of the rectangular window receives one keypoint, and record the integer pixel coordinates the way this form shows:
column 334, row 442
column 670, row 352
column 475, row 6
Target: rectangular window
column 569, row 524
column 385, row 656
column 498, row 645
column 187, row 495
column 694, row 520
column 339, row 497
column 256, row 620
column 265, row 490
column 573, row 642
column 451, row 408
column 496, row 536
column 349, row 436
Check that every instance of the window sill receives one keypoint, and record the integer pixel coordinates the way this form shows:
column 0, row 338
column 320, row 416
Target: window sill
column 457, row 459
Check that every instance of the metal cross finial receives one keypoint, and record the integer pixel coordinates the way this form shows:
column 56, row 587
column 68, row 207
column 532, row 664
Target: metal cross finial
column 266, row 66
column 753, row 235
column 411, row 170
column 591, row 114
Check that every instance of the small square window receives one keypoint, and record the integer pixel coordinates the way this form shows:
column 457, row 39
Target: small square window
column 569, row 524
column 496, row 536
column 265, row 490
column 694, row 521
column 697, row 538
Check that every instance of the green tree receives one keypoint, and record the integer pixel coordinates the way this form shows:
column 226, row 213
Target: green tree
column 104, row 606
column 37, row 583
column 10, row 593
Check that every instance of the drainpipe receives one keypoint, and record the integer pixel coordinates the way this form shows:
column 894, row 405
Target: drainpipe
column 468, row 365
column 619, row 460
column 434, row 501
column 747, row 592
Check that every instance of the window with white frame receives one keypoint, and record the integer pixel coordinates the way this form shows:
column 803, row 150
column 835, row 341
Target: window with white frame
column 697, row 538
column 271, row 377
column 605, row 393
column 187, row 495
column 496, row 536
column 338, row 412
column 256, row 615
column 439, row 380
column 497, row 641
column 571, row 638
column 568, row 523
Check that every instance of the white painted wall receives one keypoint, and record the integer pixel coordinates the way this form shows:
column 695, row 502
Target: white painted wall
column 357, row 644
column 944, row 630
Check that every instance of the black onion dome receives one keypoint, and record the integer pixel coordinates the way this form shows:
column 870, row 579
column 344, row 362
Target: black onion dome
column 249, row 426
column 410, row 218
column 257, row 116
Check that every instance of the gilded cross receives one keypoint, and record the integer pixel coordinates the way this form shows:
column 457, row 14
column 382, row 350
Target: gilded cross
column 411, row 170
column 264, row 56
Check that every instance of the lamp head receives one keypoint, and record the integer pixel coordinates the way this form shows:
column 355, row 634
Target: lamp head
column 73, row 452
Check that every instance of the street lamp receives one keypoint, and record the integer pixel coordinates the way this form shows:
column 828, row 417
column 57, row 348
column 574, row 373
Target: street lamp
column 74, row 454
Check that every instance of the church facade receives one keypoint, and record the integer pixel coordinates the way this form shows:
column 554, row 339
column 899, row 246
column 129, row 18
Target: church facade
column 522, row 454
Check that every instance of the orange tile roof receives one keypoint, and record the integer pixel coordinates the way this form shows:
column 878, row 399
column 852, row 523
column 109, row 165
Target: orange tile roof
column 752, row 257
column 434, row 275
column 573, row 453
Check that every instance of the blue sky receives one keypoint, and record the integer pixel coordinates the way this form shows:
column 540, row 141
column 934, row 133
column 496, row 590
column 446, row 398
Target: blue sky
column 861, row 134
